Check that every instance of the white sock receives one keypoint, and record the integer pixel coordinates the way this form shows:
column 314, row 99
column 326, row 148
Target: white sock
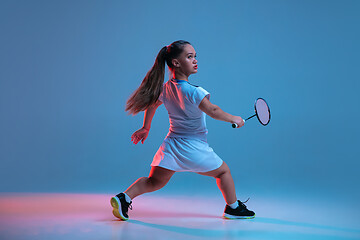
column 127, row 198
column 234, row 205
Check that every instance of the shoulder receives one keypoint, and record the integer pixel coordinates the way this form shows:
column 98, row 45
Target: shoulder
column 196, row 88
column 192, row 85
column 193, row 88
column 187, row 87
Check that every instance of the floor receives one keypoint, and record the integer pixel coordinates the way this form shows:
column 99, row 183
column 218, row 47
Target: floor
column 154, row 216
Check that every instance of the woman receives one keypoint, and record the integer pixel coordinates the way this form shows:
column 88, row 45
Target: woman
column 185, row 147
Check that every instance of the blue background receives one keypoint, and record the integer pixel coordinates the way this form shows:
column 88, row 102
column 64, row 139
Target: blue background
column 68, row 67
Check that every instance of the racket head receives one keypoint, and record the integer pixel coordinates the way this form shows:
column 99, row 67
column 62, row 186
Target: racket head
column 262, row 111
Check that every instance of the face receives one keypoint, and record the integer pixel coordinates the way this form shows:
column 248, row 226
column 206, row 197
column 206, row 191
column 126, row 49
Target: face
column 186, row 63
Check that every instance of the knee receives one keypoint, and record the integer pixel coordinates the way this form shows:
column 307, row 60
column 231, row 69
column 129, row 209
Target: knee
column 225, row 171
column 155, row 183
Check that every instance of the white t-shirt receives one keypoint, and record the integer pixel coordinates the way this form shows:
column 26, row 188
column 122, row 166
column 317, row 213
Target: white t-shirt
column 181, row 99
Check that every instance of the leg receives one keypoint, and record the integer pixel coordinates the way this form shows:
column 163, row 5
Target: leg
column 157, row 179
column 224, row 181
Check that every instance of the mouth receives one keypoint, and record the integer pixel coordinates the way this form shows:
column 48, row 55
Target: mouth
column 196, row 67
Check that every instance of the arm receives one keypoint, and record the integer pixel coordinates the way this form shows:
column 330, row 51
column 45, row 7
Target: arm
column 142, row 133
column 149, row 114
column 217, row 113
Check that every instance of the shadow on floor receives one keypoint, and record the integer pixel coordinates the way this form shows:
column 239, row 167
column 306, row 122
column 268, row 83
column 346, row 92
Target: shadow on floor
column 279, row 232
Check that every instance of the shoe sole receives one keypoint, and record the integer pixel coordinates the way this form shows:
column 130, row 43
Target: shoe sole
column 228, row 216
column 115, row 203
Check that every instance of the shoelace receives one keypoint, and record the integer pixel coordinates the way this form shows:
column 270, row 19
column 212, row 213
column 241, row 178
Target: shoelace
column 126, row 203
column 242, row 203
column 129, row 205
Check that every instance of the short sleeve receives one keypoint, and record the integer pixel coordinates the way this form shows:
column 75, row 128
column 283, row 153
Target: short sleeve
column 199, row 95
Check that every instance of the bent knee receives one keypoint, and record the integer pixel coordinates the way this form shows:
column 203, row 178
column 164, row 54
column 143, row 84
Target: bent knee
column 222, row 171
column 157, row 183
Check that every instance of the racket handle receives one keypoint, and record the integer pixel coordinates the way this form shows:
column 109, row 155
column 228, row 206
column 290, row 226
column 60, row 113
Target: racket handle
column 234, row 125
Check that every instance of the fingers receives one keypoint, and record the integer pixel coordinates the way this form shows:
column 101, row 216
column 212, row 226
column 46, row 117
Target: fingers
column 133, row 138
column 136, row 139
column 143, row 139
column 139, row 136
column 240, row 125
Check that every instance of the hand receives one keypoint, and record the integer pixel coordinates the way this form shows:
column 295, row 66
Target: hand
column 239, row 121
column 140, row 134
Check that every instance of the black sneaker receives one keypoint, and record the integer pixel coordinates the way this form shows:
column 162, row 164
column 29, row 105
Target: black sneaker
column 120, row 206
column 240, row 212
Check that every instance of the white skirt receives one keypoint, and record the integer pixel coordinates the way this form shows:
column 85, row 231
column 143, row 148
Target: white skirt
column 186, row 155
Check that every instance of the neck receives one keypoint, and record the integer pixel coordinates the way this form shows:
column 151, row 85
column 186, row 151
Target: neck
column 179, row 76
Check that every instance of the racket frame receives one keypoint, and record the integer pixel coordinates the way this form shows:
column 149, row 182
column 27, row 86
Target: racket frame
column 258, row 115
column 234, row 125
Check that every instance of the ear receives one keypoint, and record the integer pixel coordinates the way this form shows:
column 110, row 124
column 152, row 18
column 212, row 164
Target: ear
column 175, row 63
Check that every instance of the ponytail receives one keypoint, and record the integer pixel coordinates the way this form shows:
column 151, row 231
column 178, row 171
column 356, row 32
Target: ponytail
column 150, row 88
column 149, row 91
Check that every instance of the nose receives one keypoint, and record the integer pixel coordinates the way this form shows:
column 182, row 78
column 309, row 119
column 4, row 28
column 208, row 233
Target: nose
column 195, row 61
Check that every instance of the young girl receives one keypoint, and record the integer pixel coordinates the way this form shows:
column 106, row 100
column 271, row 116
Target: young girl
column 185, row 147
